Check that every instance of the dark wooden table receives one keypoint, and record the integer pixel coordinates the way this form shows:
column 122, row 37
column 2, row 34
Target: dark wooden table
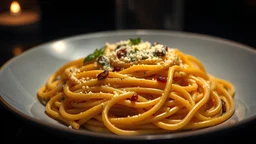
column 231, row 20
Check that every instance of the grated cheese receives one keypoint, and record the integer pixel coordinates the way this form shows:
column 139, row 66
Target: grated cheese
column 144, row 51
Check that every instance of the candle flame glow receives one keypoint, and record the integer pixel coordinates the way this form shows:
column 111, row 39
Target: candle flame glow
column 17, row 51
column 15, row 8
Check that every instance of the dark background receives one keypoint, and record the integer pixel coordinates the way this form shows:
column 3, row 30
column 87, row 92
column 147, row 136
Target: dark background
column 233, row 20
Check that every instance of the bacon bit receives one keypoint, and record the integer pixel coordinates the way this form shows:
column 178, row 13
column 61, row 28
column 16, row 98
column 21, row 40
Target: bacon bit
column 121, row 53
column 103, row 75
column 134, row 97
column 161, row 79
column 223, row 106
column 117, row 69
column 156, row 43
column 166, row 48
column 159, row 53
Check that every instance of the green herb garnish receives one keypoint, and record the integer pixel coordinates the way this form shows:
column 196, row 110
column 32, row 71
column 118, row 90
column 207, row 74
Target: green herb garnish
column 135, row 41
column 102, row 61
column 119, row 46
column 94, row 55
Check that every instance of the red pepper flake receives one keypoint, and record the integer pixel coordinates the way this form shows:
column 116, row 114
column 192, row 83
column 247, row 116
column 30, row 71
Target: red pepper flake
column 160, row 53
column 121, row 53
column 103, row 75
column 162, row 79
column 223, row 106
column 166, row 48
column 134, row 97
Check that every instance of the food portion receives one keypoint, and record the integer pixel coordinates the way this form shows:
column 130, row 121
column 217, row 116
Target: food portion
column 134, row 87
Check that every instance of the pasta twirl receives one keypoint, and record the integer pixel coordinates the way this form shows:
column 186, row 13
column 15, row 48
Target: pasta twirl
column 134, row 87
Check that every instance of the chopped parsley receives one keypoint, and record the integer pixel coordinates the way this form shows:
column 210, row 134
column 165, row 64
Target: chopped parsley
column 119, row 46
column 102, row 60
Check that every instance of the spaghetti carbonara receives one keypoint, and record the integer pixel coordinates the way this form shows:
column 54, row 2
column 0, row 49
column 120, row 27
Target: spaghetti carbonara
column 134, row 87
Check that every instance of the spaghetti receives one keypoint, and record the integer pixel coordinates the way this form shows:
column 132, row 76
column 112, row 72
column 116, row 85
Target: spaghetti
column 133, row 87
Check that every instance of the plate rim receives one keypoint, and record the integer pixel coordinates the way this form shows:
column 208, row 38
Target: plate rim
column 86, row 134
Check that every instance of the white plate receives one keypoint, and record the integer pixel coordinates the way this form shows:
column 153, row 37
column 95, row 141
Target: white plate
column 21, row 77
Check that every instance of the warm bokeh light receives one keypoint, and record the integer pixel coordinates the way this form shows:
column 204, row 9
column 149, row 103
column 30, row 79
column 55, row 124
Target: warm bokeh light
column 17, row 51
column 15, row 8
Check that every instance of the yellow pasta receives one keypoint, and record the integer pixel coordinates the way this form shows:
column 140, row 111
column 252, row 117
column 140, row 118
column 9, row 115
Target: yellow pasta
column 134, row 87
